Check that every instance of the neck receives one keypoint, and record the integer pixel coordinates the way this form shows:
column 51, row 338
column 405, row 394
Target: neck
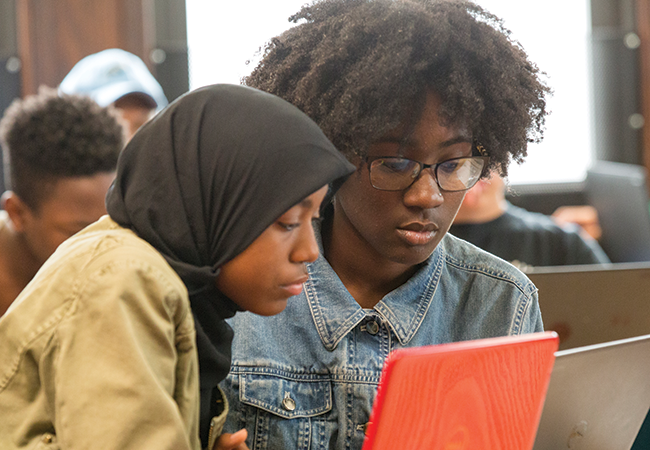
column 365, row 273
column 17, row 265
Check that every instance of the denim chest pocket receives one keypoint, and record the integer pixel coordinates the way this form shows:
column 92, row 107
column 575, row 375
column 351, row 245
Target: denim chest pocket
column 285, row 397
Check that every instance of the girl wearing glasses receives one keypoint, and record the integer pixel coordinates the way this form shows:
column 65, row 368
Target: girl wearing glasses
column 423, row 97
column 211, row 213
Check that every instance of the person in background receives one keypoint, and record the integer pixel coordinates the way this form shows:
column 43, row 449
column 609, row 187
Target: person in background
column 424, row 97
column 60, row 154
column 526, row 239
column 585, row 216
column 121, row 79
column 211, row 213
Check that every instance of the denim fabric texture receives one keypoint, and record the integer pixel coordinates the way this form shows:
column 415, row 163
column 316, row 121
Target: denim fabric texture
column 307, row 378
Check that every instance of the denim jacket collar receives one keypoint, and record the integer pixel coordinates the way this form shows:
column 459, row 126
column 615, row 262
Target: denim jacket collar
column 335, row 312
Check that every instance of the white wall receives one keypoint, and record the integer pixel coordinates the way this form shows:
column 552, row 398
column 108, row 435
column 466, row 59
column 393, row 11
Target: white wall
column 223, row 36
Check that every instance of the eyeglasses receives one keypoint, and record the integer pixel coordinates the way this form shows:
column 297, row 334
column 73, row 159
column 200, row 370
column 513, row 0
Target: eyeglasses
column 388, row 173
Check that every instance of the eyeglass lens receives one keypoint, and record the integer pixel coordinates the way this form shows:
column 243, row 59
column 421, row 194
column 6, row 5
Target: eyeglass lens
column 395, row 174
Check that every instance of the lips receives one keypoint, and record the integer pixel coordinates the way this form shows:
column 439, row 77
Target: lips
column 417, row 226
column 418, row 233
column 295, row 287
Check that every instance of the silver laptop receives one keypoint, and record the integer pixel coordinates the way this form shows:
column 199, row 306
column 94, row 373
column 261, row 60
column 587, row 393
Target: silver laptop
column 592, row 304
column 620, row 195
column 597, row 398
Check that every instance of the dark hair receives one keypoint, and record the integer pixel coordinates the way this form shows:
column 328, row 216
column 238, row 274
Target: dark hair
column 48, row 136
column 361, row 67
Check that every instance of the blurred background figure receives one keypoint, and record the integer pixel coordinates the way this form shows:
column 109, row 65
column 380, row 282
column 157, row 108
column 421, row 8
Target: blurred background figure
column 489, row 221
column 60, row 154
column 121, row 79
column 584, row 215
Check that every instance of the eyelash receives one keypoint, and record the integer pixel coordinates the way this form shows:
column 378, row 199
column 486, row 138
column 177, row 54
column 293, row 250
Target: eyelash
column 293, row 226
column 289, row 226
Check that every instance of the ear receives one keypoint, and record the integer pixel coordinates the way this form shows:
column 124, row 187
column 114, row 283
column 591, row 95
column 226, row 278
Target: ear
column 16, row 209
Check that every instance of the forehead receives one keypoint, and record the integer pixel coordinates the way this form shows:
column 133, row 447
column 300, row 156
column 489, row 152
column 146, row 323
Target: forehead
column 428, row 134
column 310, row 203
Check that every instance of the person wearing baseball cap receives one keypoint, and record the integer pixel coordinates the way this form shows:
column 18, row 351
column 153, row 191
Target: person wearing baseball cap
column 119, row 78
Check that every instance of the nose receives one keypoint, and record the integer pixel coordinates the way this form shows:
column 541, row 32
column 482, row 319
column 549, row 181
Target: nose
column 306, row 248
column 425, row 192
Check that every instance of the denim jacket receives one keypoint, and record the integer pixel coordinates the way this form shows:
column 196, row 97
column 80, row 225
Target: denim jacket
column 306, row 378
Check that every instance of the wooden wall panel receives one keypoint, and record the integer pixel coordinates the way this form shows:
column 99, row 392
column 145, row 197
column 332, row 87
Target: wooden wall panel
column 54, row 35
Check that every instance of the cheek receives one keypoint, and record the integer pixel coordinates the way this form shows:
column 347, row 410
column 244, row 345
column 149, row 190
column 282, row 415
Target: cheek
column 453, row 201
column 367, row 207
column 238, row 281
column 250, row 279
column 253, row 289
column 44, row 237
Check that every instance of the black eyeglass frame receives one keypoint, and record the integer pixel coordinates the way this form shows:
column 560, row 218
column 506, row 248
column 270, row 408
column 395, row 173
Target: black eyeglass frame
column 483, row 157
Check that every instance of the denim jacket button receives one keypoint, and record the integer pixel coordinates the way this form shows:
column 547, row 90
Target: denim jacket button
column 288, row 403
column 372, row 327
column 47, row 438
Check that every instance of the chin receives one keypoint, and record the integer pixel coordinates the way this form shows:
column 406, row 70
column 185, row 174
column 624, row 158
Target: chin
column 271, row 308
column 412, row 256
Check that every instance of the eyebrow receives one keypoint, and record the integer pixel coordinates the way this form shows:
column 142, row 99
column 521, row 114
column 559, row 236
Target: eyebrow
column 456, row 140
column 407, row 141
column 306, row 203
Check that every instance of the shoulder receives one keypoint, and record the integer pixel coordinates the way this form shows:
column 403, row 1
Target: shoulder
column 517, row 217
column 522, row 220
column 565, row 242
column 104, row 266
column 464, row 260
column 117, row 264
column 106, row 244
column 494, row 296
column 100, row 278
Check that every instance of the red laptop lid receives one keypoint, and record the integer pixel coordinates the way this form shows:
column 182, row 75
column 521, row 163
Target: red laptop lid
column 485, row 395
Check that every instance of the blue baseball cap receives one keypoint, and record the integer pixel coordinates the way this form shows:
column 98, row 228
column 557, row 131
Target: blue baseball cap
column 110, row 75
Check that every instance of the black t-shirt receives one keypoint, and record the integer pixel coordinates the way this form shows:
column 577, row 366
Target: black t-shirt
column 531, row 239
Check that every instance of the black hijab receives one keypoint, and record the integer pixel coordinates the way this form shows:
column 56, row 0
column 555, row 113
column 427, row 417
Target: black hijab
column 203, row 179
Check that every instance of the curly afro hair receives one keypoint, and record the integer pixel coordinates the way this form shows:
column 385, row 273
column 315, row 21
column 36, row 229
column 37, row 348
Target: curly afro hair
column 48, row 136
column 361, row 67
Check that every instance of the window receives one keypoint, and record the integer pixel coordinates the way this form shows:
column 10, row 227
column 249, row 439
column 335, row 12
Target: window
column 223, row 36
column 555, row 33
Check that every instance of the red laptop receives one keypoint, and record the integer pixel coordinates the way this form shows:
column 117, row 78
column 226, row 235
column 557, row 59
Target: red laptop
column 475, row 395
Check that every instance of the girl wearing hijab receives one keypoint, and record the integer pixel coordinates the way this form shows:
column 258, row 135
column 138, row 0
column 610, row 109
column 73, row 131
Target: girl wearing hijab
column 212, row 207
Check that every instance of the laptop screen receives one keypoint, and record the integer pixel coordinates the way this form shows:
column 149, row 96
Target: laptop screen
column 598, row 397
column 620, row 195
column 593, row 304
column 485, row 394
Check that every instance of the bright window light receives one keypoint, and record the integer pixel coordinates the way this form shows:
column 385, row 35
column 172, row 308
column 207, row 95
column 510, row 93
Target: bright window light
column 225, row 40
column 555, row 34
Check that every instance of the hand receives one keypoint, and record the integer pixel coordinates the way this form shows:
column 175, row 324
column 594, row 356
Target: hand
column 585, row 216
column 232, row 441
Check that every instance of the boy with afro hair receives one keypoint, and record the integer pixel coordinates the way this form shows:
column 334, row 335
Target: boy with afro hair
column 425, row 97
column 60, row 155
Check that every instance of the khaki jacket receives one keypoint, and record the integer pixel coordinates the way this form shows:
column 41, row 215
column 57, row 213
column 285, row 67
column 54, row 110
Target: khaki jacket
column 98, row 351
